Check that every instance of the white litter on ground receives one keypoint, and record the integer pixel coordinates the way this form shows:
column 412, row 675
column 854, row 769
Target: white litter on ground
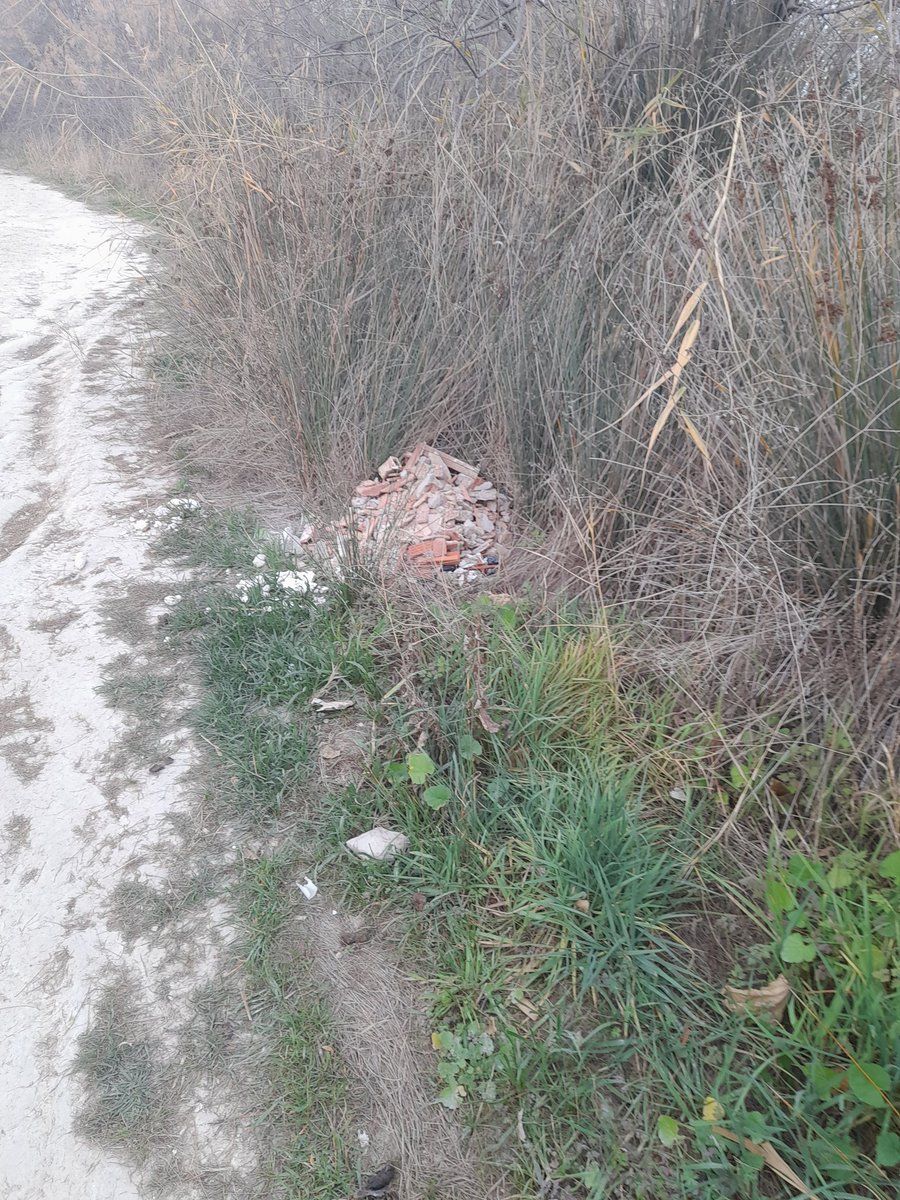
column 288, row 583
column 378, row 843
column 330, row 706
column 296, row 581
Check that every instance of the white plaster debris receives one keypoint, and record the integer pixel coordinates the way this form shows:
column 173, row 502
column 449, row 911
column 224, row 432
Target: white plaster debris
column 166, row 516
column 297, row 582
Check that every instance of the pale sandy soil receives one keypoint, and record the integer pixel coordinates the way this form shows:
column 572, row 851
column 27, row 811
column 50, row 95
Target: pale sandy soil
column 71, row 470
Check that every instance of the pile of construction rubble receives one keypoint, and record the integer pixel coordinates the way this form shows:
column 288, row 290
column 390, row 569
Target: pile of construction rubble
column 438, row 510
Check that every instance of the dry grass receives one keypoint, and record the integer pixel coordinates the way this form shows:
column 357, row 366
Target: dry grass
column 384, row 1040
column 484, row 230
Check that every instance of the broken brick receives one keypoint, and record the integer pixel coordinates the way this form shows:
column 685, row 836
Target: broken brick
column 430, row 504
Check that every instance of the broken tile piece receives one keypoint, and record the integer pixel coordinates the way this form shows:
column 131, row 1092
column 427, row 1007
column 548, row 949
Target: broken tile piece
column 390, row 466
column 433, row 507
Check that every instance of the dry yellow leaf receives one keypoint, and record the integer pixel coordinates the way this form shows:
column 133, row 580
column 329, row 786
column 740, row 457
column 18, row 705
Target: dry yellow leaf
column 526, row 1008
column 712, row 1109
column 690, row 304
column 684, row 350
column 793, row 120
column 770, row 999
column 663, row 418
column 694, row 434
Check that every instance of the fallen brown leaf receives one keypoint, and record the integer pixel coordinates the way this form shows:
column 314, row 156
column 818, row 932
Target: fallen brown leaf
column 771, row 999
column 767, row 1152
column 526, row 1008
column 487, row 721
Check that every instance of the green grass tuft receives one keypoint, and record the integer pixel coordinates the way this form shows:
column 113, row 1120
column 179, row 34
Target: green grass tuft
column 121, row 1068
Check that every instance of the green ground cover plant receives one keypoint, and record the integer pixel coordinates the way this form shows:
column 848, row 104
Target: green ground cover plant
column 576, row 945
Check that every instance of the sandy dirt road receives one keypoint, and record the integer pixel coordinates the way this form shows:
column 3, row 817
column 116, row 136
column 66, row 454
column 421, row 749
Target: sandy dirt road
column 71, row 471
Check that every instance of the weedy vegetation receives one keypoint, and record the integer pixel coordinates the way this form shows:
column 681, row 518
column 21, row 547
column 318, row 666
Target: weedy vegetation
column 640, row 263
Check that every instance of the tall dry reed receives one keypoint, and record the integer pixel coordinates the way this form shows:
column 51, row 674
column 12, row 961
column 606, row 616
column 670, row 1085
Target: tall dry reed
column 641, row 262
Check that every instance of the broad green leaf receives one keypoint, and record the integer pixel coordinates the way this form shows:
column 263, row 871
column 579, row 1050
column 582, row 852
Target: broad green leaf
column 824, row 1079
column 397, row 772
column 754, row 1127
column 667, row 1130
column 508, row 615
column 497, row 790
column 452, row 1097
column 703, row 1132
column 890, row 868
column 836, row 1155
column 739, row 777
column 419, row 767
column 444, row 1040
column 872, row 960
column 469, row 747
column 779, row 897
column 797, row 949
column 437, row 795
column 803, row 870
column 867, row 1082
column 839, row 877
column 887, row 1148
column 448, row 1069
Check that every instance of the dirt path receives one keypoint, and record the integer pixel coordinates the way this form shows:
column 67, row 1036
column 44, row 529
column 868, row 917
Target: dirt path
column 70, row 472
